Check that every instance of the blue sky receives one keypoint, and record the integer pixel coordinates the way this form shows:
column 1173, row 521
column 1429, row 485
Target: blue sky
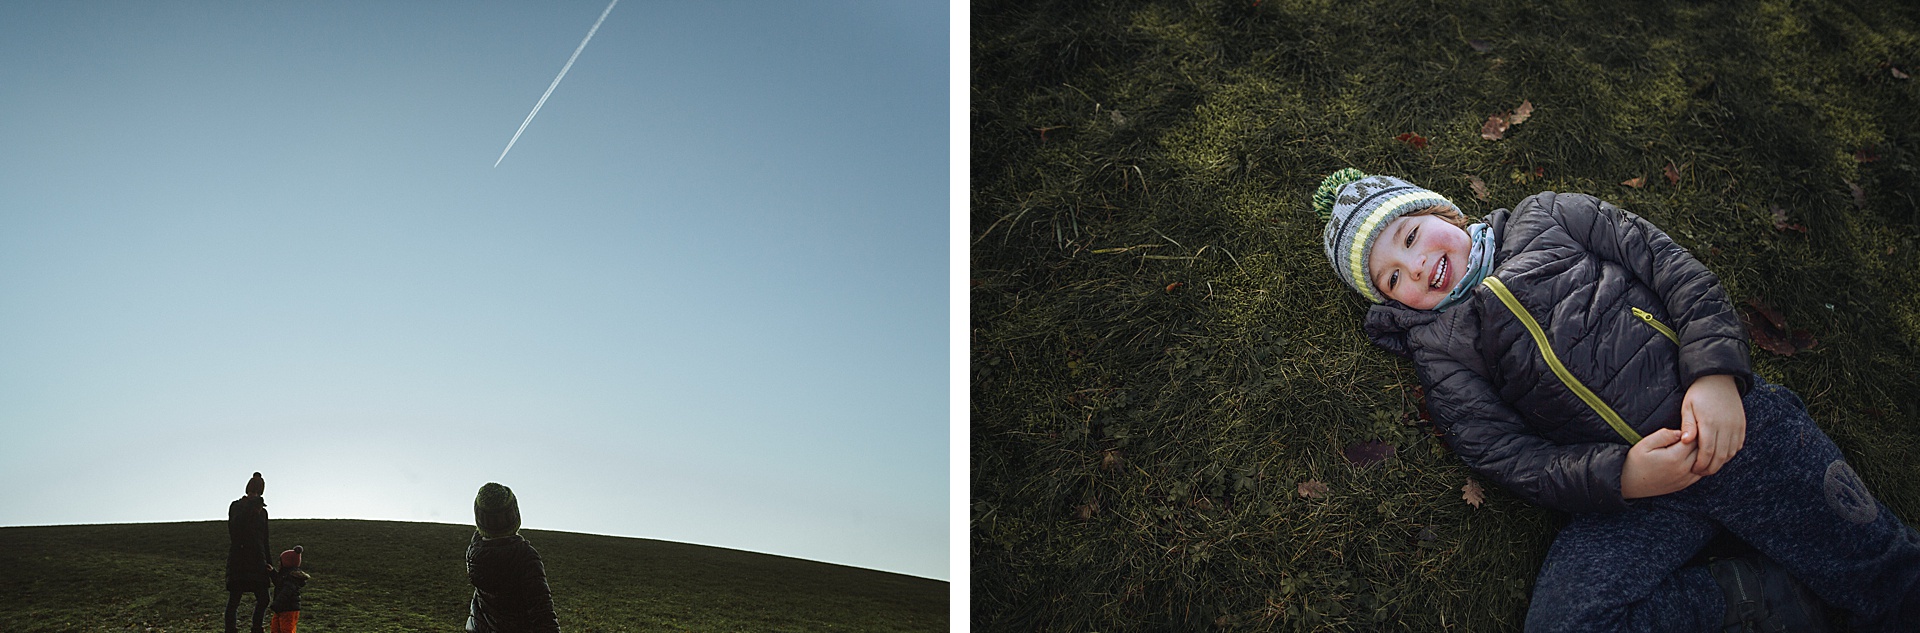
column 703, row 299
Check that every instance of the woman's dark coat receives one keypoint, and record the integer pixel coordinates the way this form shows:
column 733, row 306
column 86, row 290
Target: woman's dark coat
column 510, row 593
column 247, row 566
column 1579, row 266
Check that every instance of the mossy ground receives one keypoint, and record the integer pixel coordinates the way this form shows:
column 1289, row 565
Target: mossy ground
column 385, row 576
column 1159, row 354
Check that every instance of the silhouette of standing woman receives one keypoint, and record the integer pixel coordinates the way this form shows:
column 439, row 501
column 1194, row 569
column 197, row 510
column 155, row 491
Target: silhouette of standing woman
column 247, row 568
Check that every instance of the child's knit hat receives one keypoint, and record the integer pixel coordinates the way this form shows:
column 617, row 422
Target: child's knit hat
column 1356, row 208
column 256, row 486
column 290, row 559
column 496, row 512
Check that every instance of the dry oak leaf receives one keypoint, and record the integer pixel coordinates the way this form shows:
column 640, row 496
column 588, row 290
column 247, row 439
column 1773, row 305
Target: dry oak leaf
column 1636, row 182
column 1479, row 187
column 1520, row 114
column 1768, row 330
column 1313, row 489
column 1673, row 174
column 1495, row 128
column 1416, row 140
column 1473, row 493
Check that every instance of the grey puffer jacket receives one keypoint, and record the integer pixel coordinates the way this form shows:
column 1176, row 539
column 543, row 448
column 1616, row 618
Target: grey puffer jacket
column 1579, row 266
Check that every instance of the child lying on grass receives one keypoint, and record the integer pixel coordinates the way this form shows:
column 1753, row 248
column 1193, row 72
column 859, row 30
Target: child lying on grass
column 1578, row 357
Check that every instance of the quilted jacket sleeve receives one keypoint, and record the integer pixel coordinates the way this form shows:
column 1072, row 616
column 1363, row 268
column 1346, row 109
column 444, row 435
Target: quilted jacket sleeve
column 1498, row 444
column 540, row 612
column 1712, row 338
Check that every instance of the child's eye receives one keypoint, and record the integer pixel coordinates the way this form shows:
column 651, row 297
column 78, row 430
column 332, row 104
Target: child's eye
column 1410, row 234
column 1393, row 279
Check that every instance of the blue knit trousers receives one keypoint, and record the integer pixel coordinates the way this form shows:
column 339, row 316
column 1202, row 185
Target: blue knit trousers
column 1787, row 493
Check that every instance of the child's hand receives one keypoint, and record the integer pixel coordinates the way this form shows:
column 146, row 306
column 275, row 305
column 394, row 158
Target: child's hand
column 1712, row 418
column 1658, row 465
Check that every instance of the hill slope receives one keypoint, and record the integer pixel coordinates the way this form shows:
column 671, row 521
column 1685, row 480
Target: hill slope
column 374, row 576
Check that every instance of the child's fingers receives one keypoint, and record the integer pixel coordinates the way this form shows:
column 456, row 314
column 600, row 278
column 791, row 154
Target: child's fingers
column 1660, row 439
column 1709, row 449
column 1689, row 428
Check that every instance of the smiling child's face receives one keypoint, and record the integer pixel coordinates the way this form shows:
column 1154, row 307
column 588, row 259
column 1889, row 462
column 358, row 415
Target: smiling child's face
column 1418, row 259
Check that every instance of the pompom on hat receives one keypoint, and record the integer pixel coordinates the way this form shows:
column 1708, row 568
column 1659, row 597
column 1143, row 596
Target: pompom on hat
column 1357, row 207
column 496, row 512
column 256, row 486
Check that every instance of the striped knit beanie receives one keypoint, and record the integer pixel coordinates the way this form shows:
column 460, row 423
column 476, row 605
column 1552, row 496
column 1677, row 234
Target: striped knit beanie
column 496, row 512
column 1357, row 208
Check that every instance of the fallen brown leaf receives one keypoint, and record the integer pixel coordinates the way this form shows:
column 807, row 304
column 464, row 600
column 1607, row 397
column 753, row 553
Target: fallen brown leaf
column 1480, row 46
column 1416, row 140
column 1175, row 286
column 1086, row 511
column 1473, row 493
column 1520, row 114
column 1768, row 330
column 1859, row 195
column 1896, row 73
column 1495, row 128
column 1479, row 187
column 1773, row 316
column 1673, row 175
column 1313, row 489
column 1110, row 460
column 1636, row 182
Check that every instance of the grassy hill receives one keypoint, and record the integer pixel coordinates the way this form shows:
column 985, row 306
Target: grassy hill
column 1162, row 361
column 375, row 576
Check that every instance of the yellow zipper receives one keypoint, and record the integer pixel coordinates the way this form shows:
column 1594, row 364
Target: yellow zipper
column 1648, row 317
column 1553, row 361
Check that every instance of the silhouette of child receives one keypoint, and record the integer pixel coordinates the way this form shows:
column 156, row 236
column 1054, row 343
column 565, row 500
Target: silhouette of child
column 286, row 591
column 510, row 593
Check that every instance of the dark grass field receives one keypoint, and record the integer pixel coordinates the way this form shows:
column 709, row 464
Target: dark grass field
column 382, row 576
column 1160, row 355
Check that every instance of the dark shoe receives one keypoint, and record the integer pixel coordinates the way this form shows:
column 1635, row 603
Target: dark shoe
column 1763, row 597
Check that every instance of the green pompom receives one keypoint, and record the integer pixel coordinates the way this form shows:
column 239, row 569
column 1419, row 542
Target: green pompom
column 1323, row 197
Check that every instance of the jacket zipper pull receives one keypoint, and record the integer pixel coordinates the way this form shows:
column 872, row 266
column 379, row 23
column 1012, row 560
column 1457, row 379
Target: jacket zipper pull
column 1648, row 317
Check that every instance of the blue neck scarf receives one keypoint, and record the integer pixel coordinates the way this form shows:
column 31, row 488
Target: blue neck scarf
column 1479, row 263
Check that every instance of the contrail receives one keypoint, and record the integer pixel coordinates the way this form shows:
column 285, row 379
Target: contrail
column 556, row 82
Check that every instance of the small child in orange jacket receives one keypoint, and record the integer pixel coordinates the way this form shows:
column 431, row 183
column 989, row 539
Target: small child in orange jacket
column 286, row 591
